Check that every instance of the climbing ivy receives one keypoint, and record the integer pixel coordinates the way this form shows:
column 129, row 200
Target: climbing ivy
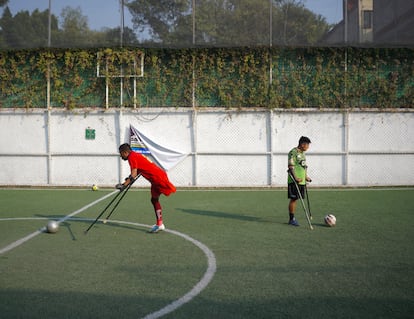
column 209, row 77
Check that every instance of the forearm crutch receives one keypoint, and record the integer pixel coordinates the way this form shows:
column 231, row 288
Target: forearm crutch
column 123, row 192
column 301, row 200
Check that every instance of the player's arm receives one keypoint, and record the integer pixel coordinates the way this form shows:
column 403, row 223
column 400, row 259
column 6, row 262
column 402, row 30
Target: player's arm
column 131, row 178
column 291, row 169
column 307, row 178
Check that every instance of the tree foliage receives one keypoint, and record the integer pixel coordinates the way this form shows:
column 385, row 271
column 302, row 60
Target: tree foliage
column 71, row 29
column 228, row 22
column 294, row 24
column 172, row 23
column 26, row 29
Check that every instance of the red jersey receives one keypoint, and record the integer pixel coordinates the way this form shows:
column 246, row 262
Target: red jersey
column 150, row 171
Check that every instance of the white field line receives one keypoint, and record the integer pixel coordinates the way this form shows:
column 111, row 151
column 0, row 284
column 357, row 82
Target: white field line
column 203, row 283
column 198, row 287
column 22, row 240
column 284, row 189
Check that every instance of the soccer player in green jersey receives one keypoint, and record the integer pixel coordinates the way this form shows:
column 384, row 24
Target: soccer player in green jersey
column 297, row 168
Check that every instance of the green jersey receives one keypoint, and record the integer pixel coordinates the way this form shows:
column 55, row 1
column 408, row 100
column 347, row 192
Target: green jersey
column 297, row 159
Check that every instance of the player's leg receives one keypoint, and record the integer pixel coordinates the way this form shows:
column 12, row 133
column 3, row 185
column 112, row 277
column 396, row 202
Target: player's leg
column 293, row 196
column 157, row 209
column 155, row 196
column 292, row 208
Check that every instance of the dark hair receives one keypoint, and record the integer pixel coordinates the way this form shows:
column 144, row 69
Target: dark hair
column 124, row 147
column 304, row 140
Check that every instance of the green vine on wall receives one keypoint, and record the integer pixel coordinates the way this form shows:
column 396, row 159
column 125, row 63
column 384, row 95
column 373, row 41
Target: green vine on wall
column 209, row 77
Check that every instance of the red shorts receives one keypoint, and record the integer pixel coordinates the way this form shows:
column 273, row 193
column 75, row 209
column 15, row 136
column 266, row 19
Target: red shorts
column 162, row 186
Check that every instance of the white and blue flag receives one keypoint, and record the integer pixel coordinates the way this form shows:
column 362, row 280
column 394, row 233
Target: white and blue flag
column 165, row 157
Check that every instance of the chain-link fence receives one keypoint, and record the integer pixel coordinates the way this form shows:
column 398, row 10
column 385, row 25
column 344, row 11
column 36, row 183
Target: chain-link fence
column 213, row 53
column 207, row 23
column 264, row 54
column 224, row 148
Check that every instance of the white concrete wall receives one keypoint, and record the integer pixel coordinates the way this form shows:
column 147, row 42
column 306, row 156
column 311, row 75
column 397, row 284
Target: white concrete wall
column 226, row 148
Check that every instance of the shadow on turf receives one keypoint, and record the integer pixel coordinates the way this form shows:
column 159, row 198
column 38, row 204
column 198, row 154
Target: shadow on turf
column 16, row 303
column 221, row 215
column 239, row 217
column 38, row 303
column 66, row 224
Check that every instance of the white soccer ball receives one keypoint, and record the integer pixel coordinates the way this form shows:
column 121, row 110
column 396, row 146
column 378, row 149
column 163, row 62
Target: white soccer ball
column 330, row 220
column 52, row 227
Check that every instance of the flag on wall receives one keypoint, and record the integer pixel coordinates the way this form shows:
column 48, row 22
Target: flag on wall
column 136, row 142
column 165, row 157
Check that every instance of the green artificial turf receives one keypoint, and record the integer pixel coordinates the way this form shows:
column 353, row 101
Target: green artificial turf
column 362, row 268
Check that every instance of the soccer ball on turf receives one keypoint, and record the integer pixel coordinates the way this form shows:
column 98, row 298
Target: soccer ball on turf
column 330, row 220
column 94, row 187
column 52, row 226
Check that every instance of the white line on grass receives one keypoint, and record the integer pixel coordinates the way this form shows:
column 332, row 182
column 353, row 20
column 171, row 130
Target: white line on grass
column 200, row 286
column 284, row 189
column 203, row 283
column 21, row 241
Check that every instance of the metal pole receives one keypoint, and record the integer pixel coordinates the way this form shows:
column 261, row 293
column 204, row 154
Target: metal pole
column 345, row 178
column 270, row 143
column 135, row 92
column 49, row 37
column 106, row 85
column 193, row 97
column 270, row 40
column 194, row 12
column 346, row 21
column 194, row 117
column 346, row 50
column 121, row 2
column 49, row 41
column 48, row 145
column 122, row 43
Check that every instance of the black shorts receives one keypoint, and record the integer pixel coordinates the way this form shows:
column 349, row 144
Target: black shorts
column 293, row 191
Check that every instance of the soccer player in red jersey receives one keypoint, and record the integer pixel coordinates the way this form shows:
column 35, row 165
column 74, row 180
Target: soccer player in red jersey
column 160, row 184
